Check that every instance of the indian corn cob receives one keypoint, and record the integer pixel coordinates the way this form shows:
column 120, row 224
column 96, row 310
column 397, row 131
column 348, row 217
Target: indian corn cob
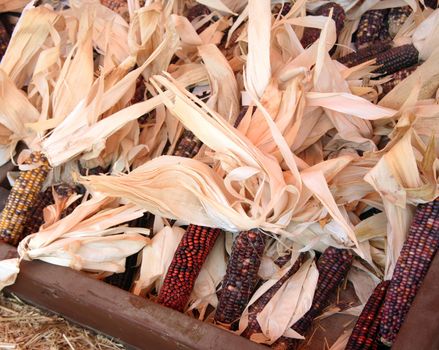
column 397, row 77
column 370, row 26
column 4, row 39
column 364, row 54
column 365, row 333
column 193, row 248
column 333, row 265
column 188, row 259
column 22, row 198
column 118, row 6
column 197, row 11
column 254, row 309
column 397, row 17
column 310, row 35
column 241, row 276
column 411, row 267
column 35, row 218
column 124, row 280
column 397, row 58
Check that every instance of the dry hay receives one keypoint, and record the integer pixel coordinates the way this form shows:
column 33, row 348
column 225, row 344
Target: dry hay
column 25, row 327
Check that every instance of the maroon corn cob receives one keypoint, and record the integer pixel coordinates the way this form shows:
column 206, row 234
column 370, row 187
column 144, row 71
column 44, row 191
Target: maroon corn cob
column 397, row 17
column 190, row 256
column 4, row 39
column 396, row 79
column 365, row 333
column 370, row 26
column 364, row 54
column 258, row 306
column 282, row 260
column 35, row 218
column 397, row 58
column 411, row 267
column 333, row 266
column 118, row 6
column 241, row 276
column 310, row 35
column 282, row 8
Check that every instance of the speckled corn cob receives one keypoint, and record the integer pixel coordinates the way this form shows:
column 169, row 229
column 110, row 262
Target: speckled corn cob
column 333, row 266
column 364, row 54
column 4, row 39
column 35, row 218
column 22, row 198
column 411, row 267
column 188, row 259
column 282, row 260
column 396, row 59
column 241, row 276
column 65, row 191
column 396, row 79
column 397, row 17
column 188, row 145
column 285, row 7
column 258, row 306
column 370, row 26
column 365, row 333
column 310, row 35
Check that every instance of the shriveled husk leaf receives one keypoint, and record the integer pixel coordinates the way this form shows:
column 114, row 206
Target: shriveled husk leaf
column 426, row 36
column 211, row 274
column 402, row 183
column 9, row 270
column 287, row 306
column 364, row 281
column 12, row 5
column 35, row 25
column 258, row 69
column 87, row 239
column 15, row 111
column 217, row 5
column 156, row 258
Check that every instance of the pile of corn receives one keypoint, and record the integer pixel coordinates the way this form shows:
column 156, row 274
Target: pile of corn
column 273, row 151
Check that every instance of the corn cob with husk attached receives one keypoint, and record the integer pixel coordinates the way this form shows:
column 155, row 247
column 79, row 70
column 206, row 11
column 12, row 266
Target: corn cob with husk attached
column 397, row 77
column 397, row 58
column 370, row 27
column 4, row 39
column 197, row 11
column 333, row 265
column 241, row 276
column 364, row 54
column 254, row 309
column 188, row 259
column 411, row 267
column 365, row 333
column 310, row 35
column 124, row 280
column 397, row 17
column 192, row 250
column 45, row 198
column 22, row 198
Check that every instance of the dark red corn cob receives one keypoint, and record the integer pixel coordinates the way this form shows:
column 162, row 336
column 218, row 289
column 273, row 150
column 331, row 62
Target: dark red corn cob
column 364, row 54
column 411, row 267
column 188, row 145
column 4, row 39
column 118, row 6
column 190, row 256
column 397, row 17
column 396, row 59
column 241, row 276
column 396, row 79
column 258, row 306
column 282, row 260
column 282, row 8
column 365, row 333
column 333, row 266
column 370, row 26
column 310, row 35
